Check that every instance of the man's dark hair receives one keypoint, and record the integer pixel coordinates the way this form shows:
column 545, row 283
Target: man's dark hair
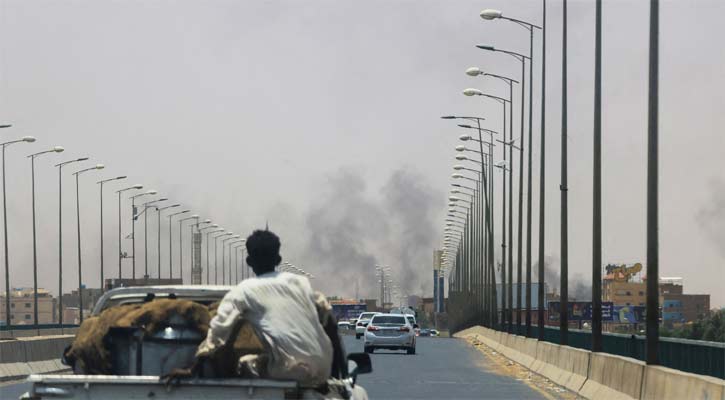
column 263, row 251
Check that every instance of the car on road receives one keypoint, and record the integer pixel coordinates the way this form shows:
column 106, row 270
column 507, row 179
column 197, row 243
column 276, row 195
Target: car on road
column 391, row 332
column 411, row 320
column 434, row 332
column 424, row 332
column 362, row 323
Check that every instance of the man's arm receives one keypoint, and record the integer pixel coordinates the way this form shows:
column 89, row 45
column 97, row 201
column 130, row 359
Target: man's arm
column 222, row 325
column 329, row 323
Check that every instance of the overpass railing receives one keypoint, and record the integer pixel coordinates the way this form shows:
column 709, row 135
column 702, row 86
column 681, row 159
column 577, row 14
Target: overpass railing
column 695, row 356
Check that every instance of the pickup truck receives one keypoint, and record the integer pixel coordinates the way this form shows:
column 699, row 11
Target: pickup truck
column 140, row 363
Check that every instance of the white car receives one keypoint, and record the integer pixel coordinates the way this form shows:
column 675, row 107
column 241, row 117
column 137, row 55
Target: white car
column 362, row 323
column 412, row 321
column 390, row 331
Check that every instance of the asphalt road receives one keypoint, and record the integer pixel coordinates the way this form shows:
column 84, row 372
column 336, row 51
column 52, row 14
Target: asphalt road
column 442, row 368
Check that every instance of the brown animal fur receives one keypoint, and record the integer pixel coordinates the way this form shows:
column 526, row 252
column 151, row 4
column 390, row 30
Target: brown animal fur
column 88, row 350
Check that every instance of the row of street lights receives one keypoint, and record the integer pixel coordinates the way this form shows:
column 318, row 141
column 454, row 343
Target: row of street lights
column 468, row 239
column 233, row 242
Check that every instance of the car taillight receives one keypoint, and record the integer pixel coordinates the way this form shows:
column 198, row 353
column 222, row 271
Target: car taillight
column 372, row 328
column 404, row 329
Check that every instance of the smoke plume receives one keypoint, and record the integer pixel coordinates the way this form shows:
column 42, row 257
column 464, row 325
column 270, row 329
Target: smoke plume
column 579, row 288
column 349, row 232
column 711, row 217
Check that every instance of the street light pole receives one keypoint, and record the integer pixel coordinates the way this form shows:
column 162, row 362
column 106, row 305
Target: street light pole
column 120, row 251
column 224, row 252
column 158, row 228
column 100, row 184
column 27, row 139
column 564, row 278
column 56, row 149
column 597, row 189
column 78, row 223
column 653, row 334
column 495, row 14
column 216, row 247
column 146, row 207
column 134, row 216
column 60, row 236
column 171, row 257
column 181, row 246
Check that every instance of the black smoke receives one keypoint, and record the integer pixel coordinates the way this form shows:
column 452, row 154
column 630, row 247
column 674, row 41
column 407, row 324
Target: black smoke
column 580, row 289
column 711, row 217
column 349, row 231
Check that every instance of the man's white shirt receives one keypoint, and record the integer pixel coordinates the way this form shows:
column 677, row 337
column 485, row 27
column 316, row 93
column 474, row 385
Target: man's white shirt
column 280, row 306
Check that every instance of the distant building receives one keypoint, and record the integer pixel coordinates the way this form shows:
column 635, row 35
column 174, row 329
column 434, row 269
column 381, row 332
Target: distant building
column 371, row 304
column 22, row 307
column 90, row 297
column 628, row 289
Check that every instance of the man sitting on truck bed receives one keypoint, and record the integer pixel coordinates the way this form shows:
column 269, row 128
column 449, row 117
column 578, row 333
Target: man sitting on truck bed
column 281, row 307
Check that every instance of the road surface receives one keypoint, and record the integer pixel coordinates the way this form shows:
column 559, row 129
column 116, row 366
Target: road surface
column 442, row 368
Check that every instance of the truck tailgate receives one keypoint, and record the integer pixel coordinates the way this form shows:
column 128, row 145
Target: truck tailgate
column 150, row 387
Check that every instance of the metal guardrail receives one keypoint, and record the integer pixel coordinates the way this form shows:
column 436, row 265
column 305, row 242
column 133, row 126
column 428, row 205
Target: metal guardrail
column 695, row 356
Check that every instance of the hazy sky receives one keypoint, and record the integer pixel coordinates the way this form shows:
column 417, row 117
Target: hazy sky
column 322, row 118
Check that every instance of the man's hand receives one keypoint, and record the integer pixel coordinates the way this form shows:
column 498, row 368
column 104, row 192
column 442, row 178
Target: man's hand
column 177, row 374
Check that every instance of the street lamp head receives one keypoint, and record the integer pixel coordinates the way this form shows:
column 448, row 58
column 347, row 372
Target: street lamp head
column 458, row 167
column 28, row 139
column 453, row 198
column 466, row 126
column 121, row 177
column 490, row 14
column 474, row 71
column 98, row 166
column 162, row 199
column 472, row 92
column 448, row 117
column 237, row 236
column 461, row 157
column 456, row 176
column 464, row 138
column 195, row 216
column 214, row 226
column 137, row 186
column 151, row 192
column 207, row 221
column 57, row 149
column 486, row 47
column 460, row 147
column 82, row 159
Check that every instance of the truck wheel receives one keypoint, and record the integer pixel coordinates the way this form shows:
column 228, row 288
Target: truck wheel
column 369, row 349
column 411, row 350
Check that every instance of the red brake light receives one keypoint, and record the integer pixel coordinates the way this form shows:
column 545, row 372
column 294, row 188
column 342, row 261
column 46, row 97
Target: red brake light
column 372, row 328
column 404, row 329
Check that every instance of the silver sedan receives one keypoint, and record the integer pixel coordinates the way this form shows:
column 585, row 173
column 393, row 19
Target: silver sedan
column 390, row 331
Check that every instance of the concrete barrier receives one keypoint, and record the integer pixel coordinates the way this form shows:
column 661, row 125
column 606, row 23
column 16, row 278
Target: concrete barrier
column 18, row 333
column 32, row 355
column 613, row 377
column 12, row 351
column 599, row 375
column 666, row 383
